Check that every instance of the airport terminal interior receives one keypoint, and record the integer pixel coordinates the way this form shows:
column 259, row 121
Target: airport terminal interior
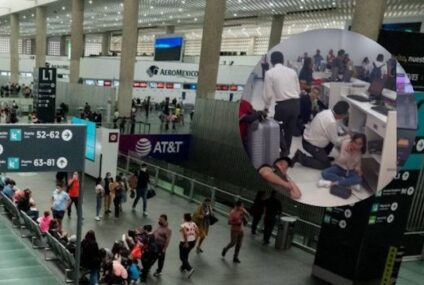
column 114, row 113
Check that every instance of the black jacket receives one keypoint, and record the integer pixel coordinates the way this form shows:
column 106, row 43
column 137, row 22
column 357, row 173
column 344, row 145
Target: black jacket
column 143, row 179
column 90, row 255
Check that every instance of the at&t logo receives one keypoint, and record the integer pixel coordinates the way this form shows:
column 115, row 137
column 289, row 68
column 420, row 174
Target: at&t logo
column 144, row 147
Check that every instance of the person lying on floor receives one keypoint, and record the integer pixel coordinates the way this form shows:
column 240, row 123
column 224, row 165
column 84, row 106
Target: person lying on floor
column 346, row 170
column 278, row 176
column 320, row 136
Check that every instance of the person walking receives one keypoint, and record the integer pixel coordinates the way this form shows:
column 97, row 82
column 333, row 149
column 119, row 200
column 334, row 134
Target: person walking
column 73, row 191
column 117, row 190
column 150, row 251
column 282, row 86
column 107, row 197
column 237, row 219
column 60, row 202
column 272, row 211
column 162, row 238
column 90, row 256
column 202, row 219
column 99, row 197
column 257, row 210
column 189, row 233
column 142, row 184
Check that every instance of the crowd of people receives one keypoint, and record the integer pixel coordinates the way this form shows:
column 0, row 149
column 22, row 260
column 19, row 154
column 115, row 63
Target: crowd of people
column 14, row 89
column 131, row 258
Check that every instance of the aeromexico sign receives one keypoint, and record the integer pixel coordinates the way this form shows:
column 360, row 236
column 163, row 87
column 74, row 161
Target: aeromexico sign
column 154, row 70
column 167, row 147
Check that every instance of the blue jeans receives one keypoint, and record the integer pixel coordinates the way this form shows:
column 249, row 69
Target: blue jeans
column 141, row 193
column 99, row 199
column 94, row 277
column 343, row 177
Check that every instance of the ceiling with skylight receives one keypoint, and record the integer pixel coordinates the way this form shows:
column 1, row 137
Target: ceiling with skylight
column 243, row 17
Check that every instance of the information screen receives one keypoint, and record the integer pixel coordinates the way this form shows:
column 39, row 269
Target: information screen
column 90, row 141
column 168, row 48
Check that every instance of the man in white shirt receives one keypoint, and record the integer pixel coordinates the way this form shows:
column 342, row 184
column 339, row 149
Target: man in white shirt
column 320, row 137
column 282, row 86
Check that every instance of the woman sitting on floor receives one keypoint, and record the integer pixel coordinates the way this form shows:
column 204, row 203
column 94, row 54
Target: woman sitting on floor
column 346, row 170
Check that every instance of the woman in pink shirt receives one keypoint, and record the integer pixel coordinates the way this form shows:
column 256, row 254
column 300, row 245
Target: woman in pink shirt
column 346, row 170
column 44, row 221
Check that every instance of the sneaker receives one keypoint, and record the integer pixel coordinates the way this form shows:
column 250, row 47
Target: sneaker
column 199, row 250
column 223, row 253
column 157, row 274
column 324, row 183
column 236, row 260
column 97, row 218
column 189, row 273
column 145, row 214
column 356, row 187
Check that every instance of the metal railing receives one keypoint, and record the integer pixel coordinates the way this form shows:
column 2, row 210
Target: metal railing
column 306, row 232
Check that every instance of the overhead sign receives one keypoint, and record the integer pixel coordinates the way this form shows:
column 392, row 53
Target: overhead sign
column 36, row 148
column 45, row 94
column 156, row 70
column 167, row 147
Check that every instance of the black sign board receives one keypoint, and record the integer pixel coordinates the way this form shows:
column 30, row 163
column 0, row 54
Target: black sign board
column 408, row 50
column 36, row 148
column 45, row 94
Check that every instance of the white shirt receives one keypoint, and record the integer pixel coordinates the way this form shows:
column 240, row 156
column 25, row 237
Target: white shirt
column 281, row 83
column 322, row 130
column 189, row 228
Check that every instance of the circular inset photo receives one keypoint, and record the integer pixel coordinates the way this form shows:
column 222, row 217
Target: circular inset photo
column 328, row 117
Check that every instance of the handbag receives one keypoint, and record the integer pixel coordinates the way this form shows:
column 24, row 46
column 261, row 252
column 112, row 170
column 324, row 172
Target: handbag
column 150, row 193
column 213, row 220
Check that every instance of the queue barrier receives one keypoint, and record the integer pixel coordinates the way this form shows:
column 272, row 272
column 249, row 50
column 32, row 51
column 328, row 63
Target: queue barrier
column 11, row 210
column 35, row 233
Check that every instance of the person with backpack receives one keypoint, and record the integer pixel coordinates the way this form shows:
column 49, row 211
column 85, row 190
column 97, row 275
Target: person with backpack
column 379, row 69
column 150, row 251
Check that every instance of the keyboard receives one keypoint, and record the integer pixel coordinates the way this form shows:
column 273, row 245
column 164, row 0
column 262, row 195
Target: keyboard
column 380, row 109
column 359, row 98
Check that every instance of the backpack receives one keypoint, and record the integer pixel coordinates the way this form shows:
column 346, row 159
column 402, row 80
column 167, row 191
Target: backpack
column 376, row 72
column 150, row 248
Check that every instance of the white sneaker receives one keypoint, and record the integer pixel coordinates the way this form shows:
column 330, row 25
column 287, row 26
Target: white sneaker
column 97, row 218
column 324, row 183
column 189, row 273
column 356, row 187
column 145, row 214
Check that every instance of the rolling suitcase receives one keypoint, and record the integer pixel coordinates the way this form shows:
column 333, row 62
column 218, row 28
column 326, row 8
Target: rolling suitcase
column 263, row 142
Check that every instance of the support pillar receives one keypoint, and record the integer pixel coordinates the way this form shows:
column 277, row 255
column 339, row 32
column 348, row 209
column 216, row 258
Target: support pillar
column 211, row 48
column 14, row 52
column 368, row 17
column 63, row 46
column 105, row 44
column 128, row 56
column 40, row 36
column 169, row 30
column 77, row 42
column 276, row 31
